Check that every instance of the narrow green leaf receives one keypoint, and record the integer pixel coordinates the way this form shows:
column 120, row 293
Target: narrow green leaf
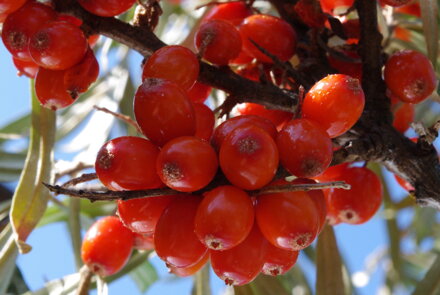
column 75, row 230
column 430, row 283
column 295, row 278
column 268, row 285
column 8, row 255
column 18, row 126
column 329, row 278
column 30, row 198
column 63, row 286
column 429, row 9
column 144, row 276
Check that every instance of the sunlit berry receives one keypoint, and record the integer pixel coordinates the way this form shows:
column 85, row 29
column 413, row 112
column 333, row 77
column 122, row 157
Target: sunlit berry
column 277, row 117
column 25, row 67
column 233, row 12
column 330, row 5
column 190, row 270
column 271, row 33
column 107, row 246
column 410, row 76
column 249, row 157
column 128, row 163
column 9, row 6
column 218, row 41
column 22, row 24
column 50, row 89
column 58, row 45
column 106, row 7
column 174, row 239
column 278, row 261
column 141, row 215
column 305, row 148
column 335, row 102
column 241, row 264
column 187, row 164
column 224, row 218
column 163, row 111
column 289, row 220
column 174, row 63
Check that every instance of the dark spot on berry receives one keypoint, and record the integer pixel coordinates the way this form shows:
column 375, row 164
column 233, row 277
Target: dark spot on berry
column 105, row 160
column 248, row 145
column 17, row 40
column 172, row 172
column 311, row 167
column 40, row 41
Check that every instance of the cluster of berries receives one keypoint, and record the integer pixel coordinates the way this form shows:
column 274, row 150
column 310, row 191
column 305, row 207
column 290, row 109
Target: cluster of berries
column 51, row 48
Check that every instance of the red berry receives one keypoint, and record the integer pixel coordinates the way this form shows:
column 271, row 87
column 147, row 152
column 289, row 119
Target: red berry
column 24, row 67
column 143, row 242
column 219, row 41
column 22, row 24
column 404, row 115
column 199, row 92
column 360, row 203
column 175, row 63
column 288, row 220
column 233, row 12
column 272, row 33
column 225, row 128
column 224, row 218
column 310, row 13
column 58, row 45
column 277, row 117
column 353, row 69
column 187, row 164
column 174, row 239
column 128, row 163
column 50, row 89
column 190, row 270
column 241, row 264
column 395, row 3
column 278, row 261
column 305, row 148
column 106, row 7
column 141, row 215
column 77, row 79
column 335, row 102
column 410, row 76
column 249, row 157
column 107, row 246
column 9, row 6
column 411, row 9
column 330, row 5
column 205, row 121
column 163, row 111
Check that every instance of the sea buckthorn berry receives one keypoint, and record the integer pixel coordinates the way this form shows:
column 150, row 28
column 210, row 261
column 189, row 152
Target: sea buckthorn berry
column 335, row 102
column 50, row 89
column 278, row 261
column 310, row 13
column 271, row 33
column 77, row 79
column 141, row 215
column 128, row 163
column 58, row 45
column 225, row 128
column 143, row 242
column 199, row 92
column 190, row 270
column 411, row 9
column 318, row 197
column 404, row 115
column 205, row 121
column 163, row 111
column 106, row 7
column 163, row 62
column 22, row 24
column 219, row 41
column 332, row 173
column 330, row 5
column 410, row 76
column 353, row 69
column 241, row 264
column 107, row 246
column 187, row 164
column 403, row 183
column 249, row 157
column 277, row 117
column 174, row 239
column 305, row 148
column 25, row 67
column 289, row 220
column 9, row 6
column 224, row 218
column 360, row 203
column 233, row 12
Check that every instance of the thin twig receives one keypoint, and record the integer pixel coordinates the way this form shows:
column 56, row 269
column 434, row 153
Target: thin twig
column 121, row 117
column 301, row 187
column 84, row 283
column 83, row 178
